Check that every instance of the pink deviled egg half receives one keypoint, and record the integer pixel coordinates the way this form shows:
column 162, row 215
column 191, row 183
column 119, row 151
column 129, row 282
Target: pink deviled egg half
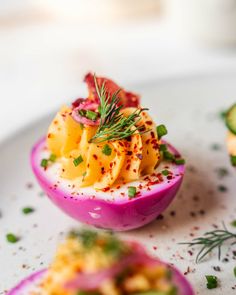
column 88, row 263
column 103, row 161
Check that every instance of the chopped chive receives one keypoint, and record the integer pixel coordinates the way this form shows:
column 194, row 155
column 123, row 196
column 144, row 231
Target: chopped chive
column 163, row 147
column 91, row 115
column 107, row 150
column 82, row 113
column 52, row 158
column 44, row 163
column 222, row 188
column 81, row 126
column 211, row 282
column 179, row 161
column 11, row 238
column 235, row 271
column 233, row 160
column 168, row 156
column 233, row 223
column 27, row 210
column 132, row 191
column 77, row 161
column 84, row 174
column 165, row 172
column 161, row 130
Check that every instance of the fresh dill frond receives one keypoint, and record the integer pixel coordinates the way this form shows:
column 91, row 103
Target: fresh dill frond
column 212, row 240
column 113, row 124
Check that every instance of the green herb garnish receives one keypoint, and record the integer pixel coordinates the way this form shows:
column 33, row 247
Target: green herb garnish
column 78, row 161
column 168, row 156
column 27, row 210
column 52, row 158
column 81, row 126
column 107, row 150
column 91, row 115
column 87, row 237
column 233, row 223
column 165, row 172
column 179, row 161
column 161, row 130
column 113, row 124
column 44, row 163
column 233, row 160
column 11, row 238
column 211, row 282
column 132, row 191
column 163, row 147
column 212, row 240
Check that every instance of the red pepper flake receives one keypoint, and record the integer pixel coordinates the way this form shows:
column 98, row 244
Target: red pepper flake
column 152, row 134
column 106, row 189
column 147, row 141
column 118, row 186
column 172, row 213
column 50, row 135
column 139, row 156
column 129, row 153
column 111, row 164
column 153, row 182
column 148, row 122
column 102, row 170
column 128, row 167
column 188, row 271
column 134, row 170
column 154, row 248
column 95, row 156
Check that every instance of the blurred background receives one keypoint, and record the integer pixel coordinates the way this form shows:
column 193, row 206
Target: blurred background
column 46, row 47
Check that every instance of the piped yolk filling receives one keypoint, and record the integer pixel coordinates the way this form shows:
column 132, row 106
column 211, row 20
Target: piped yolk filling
column 102, row 165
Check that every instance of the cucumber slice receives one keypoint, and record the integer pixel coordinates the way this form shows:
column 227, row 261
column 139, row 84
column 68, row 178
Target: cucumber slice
column 231, row 119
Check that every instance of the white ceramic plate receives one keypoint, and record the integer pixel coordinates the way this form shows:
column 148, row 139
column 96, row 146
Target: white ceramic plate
column 190, row 108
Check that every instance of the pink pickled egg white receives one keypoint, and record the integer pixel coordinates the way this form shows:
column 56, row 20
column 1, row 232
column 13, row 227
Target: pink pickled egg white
column 111, row 209
column 31, row 284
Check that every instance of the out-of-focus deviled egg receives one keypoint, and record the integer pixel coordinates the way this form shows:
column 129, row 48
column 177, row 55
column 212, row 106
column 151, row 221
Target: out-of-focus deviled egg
column 88, row 263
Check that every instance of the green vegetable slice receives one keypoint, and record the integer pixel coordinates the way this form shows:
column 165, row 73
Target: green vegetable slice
column 231, row 119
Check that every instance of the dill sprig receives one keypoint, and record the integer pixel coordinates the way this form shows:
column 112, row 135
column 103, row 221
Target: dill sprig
column 113, row 124
column 212, row 240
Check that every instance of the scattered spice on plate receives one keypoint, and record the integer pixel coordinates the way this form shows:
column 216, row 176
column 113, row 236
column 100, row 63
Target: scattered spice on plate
column 215, row 146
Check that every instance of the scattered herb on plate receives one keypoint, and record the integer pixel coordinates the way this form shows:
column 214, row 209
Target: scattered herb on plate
column 28, row 210
column 212, row 240
column 212, row 282
column 11, row 238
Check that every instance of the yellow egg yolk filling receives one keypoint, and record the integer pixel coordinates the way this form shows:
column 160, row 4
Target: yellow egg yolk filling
column 102, row 165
